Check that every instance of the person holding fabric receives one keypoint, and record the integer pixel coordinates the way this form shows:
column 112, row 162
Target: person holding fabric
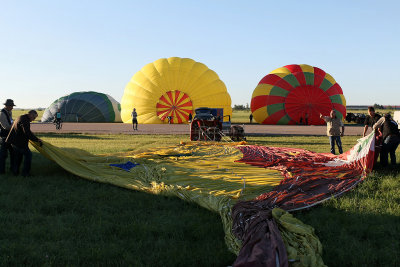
column 390, row 137
column 18, row 138
column 370, row 120
column 334, row 124
column 5, row 127
column 134, row 119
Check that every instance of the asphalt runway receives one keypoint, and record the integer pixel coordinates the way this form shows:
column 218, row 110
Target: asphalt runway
column 125, row 128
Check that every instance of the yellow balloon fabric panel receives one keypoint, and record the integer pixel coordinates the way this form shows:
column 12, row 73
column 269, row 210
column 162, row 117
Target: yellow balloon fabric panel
column 173, row 88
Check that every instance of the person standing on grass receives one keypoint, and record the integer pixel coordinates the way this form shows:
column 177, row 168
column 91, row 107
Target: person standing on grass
column 334, row 124
column 134, row 119
column 18, row 138
column 57, row 118
column 390, row 136
column 5, row 127
column 251, row 118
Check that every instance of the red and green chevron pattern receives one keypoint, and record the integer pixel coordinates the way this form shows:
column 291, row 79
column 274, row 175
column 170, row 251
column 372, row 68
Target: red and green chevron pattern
column 297, row 94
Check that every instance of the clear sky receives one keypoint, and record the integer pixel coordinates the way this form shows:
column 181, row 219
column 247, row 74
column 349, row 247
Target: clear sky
column 52, row 48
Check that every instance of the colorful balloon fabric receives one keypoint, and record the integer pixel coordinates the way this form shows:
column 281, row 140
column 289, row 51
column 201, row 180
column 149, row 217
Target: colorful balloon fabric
column 245, row 184
column 84, row 107
column 173, row 88
column 297, row 94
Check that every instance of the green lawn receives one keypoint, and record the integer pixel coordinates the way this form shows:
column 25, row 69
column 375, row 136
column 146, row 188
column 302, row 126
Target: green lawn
column 18, row 112
column 56, row 218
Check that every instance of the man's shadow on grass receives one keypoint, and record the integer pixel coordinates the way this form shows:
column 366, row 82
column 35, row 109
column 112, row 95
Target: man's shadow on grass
column 72, row 136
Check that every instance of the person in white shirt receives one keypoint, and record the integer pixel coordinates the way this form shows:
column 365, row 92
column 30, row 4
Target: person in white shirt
column 334, row 124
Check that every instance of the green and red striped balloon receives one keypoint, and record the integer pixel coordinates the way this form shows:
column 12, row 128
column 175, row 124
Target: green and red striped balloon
column 297, row 94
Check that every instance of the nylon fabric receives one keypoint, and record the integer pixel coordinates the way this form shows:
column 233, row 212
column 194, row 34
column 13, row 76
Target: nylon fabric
column 84, row 107
column 311, row 177
column 214, row 176
column 203, row 173
column 303, row 92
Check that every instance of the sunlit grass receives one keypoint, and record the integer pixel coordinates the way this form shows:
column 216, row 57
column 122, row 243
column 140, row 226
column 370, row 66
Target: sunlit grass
column 18, row 112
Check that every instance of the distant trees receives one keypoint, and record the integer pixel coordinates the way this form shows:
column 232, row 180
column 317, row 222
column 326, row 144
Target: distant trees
column 377, row 106
column 241, row 107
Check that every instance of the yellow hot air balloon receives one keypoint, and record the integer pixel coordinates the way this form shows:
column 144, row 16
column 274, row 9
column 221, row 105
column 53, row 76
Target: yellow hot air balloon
column 173, row 88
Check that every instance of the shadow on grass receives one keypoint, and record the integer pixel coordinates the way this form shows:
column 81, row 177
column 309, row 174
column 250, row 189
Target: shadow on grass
column 72, row 136
column 361, row 228
column 386, row 170
column 65, row 220
column 355, row 238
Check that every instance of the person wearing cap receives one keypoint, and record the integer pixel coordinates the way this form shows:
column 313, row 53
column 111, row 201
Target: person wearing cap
column 18, row 138
column 390, row 136
column 5, row 127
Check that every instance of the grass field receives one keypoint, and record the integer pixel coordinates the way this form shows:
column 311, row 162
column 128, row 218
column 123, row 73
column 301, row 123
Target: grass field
column 18, row 112
column 56, row 218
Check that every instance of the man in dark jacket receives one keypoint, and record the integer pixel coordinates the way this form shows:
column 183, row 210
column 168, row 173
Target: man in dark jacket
column 370, row 119
column 5, row 126
column 390, row 136
column 18, row 138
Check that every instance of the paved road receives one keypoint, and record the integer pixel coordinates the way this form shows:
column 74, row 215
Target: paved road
column 122, row 128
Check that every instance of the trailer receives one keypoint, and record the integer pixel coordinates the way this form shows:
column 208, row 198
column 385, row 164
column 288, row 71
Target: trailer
column 208, row 125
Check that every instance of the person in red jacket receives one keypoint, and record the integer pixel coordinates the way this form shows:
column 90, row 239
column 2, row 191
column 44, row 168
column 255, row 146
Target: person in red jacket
column 18, row 138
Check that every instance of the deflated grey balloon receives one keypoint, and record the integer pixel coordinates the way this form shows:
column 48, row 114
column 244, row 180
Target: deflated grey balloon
column 84, row 107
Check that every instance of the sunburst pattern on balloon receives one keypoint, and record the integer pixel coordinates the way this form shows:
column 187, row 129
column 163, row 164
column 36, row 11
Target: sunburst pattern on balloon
column 174, row 104
column 173, row 87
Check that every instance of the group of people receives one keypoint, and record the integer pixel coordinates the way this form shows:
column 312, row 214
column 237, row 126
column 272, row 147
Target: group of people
column 15, row 136
column 386, row 132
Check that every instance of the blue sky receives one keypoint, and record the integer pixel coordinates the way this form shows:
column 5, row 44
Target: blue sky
column 53, row 48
